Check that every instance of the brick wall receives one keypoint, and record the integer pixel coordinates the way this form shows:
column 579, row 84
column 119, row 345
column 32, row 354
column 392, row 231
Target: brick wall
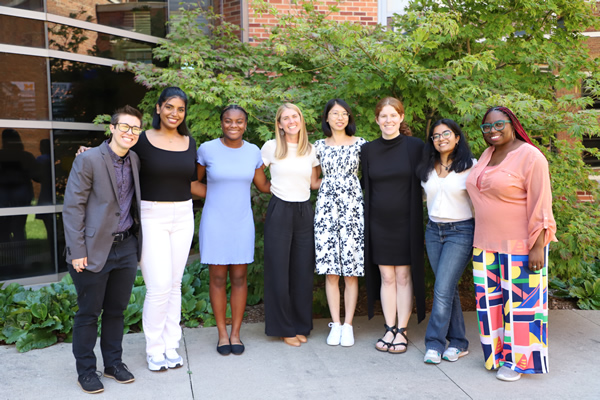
column 359, row 11
column 232, row 12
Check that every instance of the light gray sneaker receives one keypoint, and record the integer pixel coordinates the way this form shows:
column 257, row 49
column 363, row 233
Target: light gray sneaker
column 452, row 354
column 432, row 357
column 156, row 362
column 508, row 375
column 173, row 359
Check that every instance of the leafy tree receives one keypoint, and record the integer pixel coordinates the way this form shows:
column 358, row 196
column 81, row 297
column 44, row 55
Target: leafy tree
column 451, row 59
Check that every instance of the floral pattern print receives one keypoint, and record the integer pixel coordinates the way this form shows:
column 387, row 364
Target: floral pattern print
column 339, row 215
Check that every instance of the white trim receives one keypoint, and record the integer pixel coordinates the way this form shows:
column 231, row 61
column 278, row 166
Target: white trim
column 58, row 19
column 32, row 124
column 91, row 26
column 62, row 55
column 18, row 12
column 245, row 10
column 382, row 12
column 6, row 211
column 591, row 34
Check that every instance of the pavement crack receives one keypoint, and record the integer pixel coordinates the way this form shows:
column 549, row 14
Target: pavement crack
column 187, row 357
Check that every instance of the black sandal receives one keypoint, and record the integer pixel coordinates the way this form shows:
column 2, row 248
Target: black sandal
column 400, row 331
column 387, row 344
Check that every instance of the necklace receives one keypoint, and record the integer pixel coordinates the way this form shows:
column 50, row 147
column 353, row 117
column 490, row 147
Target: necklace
column 447, row 167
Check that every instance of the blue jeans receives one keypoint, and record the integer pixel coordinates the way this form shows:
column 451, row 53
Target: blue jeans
column 449, row 247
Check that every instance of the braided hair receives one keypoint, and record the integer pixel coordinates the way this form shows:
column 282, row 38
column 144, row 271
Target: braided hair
column 517, row 127
column 233, row 107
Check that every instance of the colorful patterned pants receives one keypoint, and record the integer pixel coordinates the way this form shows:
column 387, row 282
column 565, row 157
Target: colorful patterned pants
column 512, row 311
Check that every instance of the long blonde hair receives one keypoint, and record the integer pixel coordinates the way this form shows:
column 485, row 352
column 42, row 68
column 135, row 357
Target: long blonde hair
column 304, row 146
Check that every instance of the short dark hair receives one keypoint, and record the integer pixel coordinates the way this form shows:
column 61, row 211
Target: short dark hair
column 233, row 107
column 350, row 128
column 168, row 94
column 461, row 157
column 125, row 110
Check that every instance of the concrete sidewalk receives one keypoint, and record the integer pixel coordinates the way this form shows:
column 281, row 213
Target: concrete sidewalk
column 269, row 369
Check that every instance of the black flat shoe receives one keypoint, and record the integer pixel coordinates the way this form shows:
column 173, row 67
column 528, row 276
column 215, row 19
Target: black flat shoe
column 225, row 349
column 238, row 349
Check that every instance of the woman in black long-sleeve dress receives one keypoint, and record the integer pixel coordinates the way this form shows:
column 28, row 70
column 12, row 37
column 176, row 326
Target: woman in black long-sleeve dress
column 393, row 224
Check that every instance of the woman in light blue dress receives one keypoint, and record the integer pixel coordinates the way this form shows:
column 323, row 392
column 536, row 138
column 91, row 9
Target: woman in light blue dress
column 227, row 228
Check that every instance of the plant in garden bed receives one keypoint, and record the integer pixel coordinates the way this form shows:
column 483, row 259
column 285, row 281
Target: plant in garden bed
column 585, row 287
column 33, row 319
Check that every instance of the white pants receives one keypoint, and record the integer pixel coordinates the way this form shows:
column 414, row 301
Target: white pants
column 168, row 228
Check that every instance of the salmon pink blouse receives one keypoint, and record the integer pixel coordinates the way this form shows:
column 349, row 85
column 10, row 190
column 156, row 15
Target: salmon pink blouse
column 512, row 201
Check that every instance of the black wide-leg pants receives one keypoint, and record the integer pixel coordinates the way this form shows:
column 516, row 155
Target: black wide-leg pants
column 289, row 268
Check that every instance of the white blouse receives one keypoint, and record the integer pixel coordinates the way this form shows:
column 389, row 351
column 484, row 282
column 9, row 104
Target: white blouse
column 447, row 198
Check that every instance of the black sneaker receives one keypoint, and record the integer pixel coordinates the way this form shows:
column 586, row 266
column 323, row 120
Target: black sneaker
column 119, row 373
column 90, row 383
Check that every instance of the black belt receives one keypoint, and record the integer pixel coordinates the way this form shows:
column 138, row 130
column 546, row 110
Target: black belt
column 120, row 236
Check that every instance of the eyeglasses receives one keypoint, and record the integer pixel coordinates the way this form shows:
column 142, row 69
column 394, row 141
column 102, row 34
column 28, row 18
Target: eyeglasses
column 439, row 136
column 123, row 127
column 498, row 125
column 336, row 114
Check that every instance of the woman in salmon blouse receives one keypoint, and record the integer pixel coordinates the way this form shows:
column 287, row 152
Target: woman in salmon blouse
column 511, row 194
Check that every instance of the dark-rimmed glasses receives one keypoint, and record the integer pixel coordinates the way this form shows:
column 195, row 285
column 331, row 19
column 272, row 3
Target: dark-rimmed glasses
column 438, row 136
column 498, row 125
column 123, row 127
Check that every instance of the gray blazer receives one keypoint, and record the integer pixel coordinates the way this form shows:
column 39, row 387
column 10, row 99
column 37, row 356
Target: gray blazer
column 91, row 209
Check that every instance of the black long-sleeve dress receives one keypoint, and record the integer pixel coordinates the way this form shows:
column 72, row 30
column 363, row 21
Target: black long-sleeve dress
column 393, row 213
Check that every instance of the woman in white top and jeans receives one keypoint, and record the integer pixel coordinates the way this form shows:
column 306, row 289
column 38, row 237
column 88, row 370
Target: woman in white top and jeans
column 447, row 162
column 289, row 233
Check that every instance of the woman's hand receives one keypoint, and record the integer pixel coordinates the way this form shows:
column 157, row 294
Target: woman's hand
column 536, row 254
column 81, row 149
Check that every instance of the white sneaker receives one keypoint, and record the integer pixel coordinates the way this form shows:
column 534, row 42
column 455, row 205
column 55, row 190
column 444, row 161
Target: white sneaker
column 432, row 357
column 173, row 359
column 335, row 335
column 347, row 338
column 508, row 375
column 156, row 362
column 452, row 354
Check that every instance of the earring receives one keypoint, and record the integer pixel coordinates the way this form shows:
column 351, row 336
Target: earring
column 281, row 132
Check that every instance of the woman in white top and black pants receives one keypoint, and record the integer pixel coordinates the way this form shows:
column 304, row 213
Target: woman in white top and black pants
column 289, row 232
column 447, row 162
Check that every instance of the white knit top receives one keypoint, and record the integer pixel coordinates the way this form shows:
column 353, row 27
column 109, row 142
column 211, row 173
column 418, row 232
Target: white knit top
column 447, row 198
column 290, row 176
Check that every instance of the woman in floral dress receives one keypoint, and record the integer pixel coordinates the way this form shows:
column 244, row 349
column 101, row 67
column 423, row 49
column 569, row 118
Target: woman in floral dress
column 339, row 217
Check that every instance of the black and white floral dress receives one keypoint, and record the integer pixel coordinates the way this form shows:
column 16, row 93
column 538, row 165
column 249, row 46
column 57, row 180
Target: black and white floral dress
column 339, row 215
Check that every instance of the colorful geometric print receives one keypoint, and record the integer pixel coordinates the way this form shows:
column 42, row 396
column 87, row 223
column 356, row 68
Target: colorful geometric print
column 512, row 311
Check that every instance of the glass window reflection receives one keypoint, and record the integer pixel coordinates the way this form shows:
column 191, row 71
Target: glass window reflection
column 33, row 5
column 82, row 91
column 66, row 144
column 25, row 168
column 27, row 245
column 81, row 41
column 148, row 17
column 23, row 87
column 21, row 31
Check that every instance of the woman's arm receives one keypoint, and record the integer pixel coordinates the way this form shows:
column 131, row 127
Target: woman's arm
column 260, row 180
column 536, row 254
column 198, row 188
column 315, row 179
